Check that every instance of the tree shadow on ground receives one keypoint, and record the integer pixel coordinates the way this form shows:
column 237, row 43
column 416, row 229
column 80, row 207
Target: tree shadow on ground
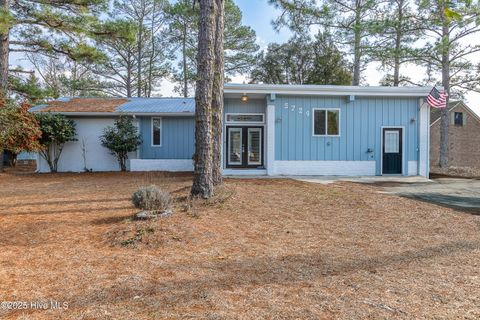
column 464, row 204
column 203, row 277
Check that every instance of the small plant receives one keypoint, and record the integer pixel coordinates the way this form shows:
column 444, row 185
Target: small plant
column 152, row 199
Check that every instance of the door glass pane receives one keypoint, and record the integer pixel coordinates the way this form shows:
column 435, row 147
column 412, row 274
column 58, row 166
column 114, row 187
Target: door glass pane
column 245, row 118
column 392, row 142
column 333, row 122
column 235, row 146
column 254, row 146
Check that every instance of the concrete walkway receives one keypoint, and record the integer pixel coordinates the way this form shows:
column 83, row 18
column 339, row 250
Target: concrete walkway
column 457, row 193
column 463, row 194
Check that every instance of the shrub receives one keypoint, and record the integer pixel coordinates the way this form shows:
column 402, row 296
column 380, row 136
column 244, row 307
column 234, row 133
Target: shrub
column 151, row 199
column 121, row 139
column 56, row 130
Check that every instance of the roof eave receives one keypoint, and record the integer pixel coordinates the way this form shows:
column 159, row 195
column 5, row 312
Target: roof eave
column 326, row 90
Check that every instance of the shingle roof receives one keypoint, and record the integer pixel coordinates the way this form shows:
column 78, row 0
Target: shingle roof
column 118, row 105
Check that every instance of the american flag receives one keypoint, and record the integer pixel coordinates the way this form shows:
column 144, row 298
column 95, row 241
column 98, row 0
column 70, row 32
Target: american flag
column 437, row 99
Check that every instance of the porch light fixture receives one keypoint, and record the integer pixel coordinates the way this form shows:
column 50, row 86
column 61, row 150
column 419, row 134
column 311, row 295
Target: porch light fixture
column 244, row 98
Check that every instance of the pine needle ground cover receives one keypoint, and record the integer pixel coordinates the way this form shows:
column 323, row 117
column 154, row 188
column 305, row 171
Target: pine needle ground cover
column 261, row 249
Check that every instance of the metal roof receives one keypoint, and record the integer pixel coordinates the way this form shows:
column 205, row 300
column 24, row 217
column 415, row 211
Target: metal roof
column 158, row 105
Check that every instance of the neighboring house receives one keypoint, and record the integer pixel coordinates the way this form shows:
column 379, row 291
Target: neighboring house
column 463, row 136
column 268, row 130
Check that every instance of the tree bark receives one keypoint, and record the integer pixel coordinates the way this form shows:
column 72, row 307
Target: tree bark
column 202, row 177
column 217, row 98
column 398, row 46
column 4, row 54
column 139, row 58
column 184, row 53
column 444, row 120
column 356, row 48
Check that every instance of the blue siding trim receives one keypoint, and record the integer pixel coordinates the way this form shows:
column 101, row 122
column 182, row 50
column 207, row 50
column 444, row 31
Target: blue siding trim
column 360, row 128
column 178, row 138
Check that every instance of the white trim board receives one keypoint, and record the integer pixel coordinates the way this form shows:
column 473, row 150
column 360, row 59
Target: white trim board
column 170, row 165
column 325, row 168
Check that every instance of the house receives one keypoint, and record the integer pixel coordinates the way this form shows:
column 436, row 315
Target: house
column 268, row 130
column 463, row 136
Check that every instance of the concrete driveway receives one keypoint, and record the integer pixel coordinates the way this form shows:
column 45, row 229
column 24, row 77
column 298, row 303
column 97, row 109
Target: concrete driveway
column 463, row 194
column 452, row 192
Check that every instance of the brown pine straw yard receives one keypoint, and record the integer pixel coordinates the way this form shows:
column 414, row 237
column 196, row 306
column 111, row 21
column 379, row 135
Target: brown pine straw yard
column 262, row 249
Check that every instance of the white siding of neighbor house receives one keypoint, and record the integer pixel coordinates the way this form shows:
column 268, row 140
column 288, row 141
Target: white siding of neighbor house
column 98, row 158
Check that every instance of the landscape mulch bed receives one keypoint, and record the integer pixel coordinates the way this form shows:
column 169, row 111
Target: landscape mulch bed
column 261, row 249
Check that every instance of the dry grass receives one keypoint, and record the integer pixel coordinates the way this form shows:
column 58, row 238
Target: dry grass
column 263, row 249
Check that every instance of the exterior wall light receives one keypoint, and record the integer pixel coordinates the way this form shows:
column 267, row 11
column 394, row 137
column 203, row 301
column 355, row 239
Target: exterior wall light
column 245, row 98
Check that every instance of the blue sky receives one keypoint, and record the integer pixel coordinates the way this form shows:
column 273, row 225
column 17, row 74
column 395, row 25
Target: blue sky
column 259, row 14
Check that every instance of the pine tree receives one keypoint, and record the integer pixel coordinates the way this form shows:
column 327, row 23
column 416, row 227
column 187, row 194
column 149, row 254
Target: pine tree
column 217, row 95
column 348, row 20
column 239, row 42
column 202, row 177
column 450, row 24
column 50, row 27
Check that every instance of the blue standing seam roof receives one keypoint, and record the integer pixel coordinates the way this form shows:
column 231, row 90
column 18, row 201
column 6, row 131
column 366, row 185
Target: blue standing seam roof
column 158, row 105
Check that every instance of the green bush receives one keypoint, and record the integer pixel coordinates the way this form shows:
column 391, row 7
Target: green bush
column 151, row 199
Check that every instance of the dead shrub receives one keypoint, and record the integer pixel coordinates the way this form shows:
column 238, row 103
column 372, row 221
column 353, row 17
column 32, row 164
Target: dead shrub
column 152, row 199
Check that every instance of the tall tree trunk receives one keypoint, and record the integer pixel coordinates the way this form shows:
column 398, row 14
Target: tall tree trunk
column 129, row 77
column 202, row 177
column 445, row 121
column 139, row 58
column 398, row 45
column 185, row 67
column 217, row 98
column 149, row 85
column 4, row 54
column 357, row 49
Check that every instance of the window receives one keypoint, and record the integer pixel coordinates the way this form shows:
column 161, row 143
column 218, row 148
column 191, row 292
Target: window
column 326, row 122
column 156, row 132
column 392, row 141
column 458, row 118
column 245, row 117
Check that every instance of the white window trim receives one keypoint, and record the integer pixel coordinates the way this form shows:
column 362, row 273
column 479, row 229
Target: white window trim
column 326, row 122
column 245, row 122
column 161, row 133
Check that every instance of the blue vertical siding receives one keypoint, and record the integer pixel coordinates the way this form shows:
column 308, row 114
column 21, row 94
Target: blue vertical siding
column 360, row 128
column 178, row 138
column 252, row 106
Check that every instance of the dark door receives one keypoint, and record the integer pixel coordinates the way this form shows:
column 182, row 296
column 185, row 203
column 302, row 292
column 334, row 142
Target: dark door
column 392, row 150
column 244, row 147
